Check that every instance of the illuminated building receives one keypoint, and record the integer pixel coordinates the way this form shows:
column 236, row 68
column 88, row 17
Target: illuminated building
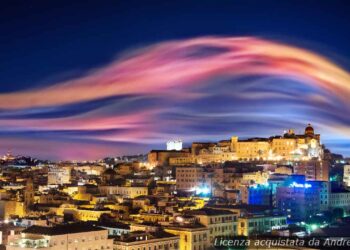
column 260, row 195
column 58, row 175
column 192, row 236
column 174, row 145
column 152, row 217
column 199, row 180
column 258, row 177
column 89, row 169
column 299, row 200
column 71, row 237
column 255, row 219
column 189, row 178
column 346, row 176
column 82, row 195
column 219, row 222
column 288, row 147
column 147, row 240
column 181, row 161
column 204, row 153
column 80, row 213
column 251, row 149
column 259, row 224
column 161, row 157
column 124, row 191
column 10, row 208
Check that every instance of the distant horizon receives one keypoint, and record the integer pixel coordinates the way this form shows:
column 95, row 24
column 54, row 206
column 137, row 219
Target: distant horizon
column 163, row 147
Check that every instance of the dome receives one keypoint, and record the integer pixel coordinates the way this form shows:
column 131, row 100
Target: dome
column 309, row 130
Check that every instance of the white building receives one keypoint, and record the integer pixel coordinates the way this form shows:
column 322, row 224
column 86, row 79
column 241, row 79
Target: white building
column 58, row 175
column 70, row 237
column 124, row 191
column 174, row 145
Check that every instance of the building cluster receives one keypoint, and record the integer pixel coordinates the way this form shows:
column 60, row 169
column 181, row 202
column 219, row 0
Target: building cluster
column 179, row 199
column 289, row 146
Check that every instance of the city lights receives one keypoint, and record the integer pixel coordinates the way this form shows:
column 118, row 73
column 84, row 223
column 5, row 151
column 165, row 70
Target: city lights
column 174, row 125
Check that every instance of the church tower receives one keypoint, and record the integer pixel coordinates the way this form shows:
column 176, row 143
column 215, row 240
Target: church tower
column 29, row 193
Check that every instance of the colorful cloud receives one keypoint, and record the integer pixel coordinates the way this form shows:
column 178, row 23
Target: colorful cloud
column 197, row 89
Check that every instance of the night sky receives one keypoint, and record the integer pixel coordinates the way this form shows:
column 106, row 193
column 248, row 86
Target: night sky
column 89, row 79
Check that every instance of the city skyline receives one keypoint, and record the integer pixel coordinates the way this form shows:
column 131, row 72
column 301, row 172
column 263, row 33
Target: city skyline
column 97, row 88
column 180, row 146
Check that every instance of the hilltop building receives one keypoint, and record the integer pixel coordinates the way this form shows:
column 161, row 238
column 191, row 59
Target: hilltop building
column 289, row 147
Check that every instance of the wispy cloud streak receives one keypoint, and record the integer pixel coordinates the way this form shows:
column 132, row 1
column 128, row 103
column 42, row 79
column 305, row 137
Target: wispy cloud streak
column 207, row 87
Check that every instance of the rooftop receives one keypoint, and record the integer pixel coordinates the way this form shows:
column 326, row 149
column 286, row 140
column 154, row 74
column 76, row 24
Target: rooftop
column 143, row 236
column 114, row 225
column 209, row 212
column 62, row 229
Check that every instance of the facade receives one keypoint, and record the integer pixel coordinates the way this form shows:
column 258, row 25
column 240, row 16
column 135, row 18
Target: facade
column 189, row 178
column 255, row 149
column 199, row 180
column 125, row 191
column 147, row 240
column 219, row 222
column 298, row 201
column 258, row 177
column 9, row 208
column 161, row 157
column 260, row 195
column 340, row 199
column 289, row 147
column 71, row 237
column 346, row 176
column 313, row 170
column 58, row 175
column 174, row 145
column 80, row 213
column 259, row 224
column 255, row 219
column 192, row 237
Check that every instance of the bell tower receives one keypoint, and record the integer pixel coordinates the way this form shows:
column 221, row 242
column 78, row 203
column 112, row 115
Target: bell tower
column 29, row 193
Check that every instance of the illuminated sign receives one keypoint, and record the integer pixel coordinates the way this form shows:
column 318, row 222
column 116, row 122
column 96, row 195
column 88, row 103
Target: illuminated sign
column 299, row 185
